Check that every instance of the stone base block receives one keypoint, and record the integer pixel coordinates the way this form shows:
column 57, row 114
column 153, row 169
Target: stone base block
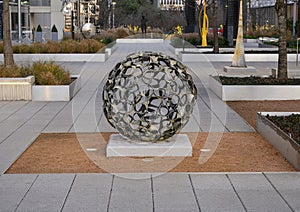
column 239, row 71
column 178, row 145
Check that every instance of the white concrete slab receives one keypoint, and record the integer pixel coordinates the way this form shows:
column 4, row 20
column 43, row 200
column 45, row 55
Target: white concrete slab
column 12, row 190
column 288, row 185
column 48, row 193
column 90, row 192
column 215, row 193
column 178, row 145
column 257, row 193
column 173, row 192
column 131, row 195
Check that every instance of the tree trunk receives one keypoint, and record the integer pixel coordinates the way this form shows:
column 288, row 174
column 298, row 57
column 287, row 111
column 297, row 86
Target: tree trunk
column 238, row 59
column 215, row 26
column 282, row 54
column 7, row 46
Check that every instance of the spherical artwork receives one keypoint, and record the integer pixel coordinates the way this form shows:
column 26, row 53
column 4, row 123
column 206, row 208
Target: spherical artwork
column 149, row 97
column 88, row 30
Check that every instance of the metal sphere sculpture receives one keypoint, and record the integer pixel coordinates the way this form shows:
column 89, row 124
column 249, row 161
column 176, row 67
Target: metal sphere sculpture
column 149, row 97
column 88, row 30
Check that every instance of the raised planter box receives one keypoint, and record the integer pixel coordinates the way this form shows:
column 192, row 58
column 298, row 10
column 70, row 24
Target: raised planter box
column 56, row 92
column 199, row 57
column 254, row 92
column 140, row 40
column 16, row 88
column 289, row 148
column 110, row 49
column 98, row 57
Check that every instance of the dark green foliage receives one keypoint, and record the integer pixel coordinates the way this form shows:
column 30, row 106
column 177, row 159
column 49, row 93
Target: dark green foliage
column 289, row 124
column 39, row 28
column 257, row 81
column 54, row 29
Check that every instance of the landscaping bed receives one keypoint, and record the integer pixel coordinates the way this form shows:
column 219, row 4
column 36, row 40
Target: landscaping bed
column 48, row 82
column 62, row 153
column 253, row 80
column 282, row 131
column 254, row 88
column 290, row 124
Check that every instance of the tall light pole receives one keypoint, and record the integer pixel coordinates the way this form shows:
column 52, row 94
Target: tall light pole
column 113, row 15
column 19, row 21
column 294, row 17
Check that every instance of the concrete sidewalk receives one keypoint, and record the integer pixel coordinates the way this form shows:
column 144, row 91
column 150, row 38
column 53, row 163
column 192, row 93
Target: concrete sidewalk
column 165, row 192
column 22, row 122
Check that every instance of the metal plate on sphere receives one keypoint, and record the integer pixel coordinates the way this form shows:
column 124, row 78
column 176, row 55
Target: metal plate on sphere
column 179, row 145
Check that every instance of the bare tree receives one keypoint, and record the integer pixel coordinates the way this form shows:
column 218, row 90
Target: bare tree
column 282, row 25
column 7, row 45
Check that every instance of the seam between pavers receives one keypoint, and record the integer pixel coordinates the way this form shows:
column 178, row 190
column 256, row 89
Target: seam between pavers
column 23, row 124
column 33, row 139
column 213, row 112
column 74, row 120
column 71, row 186
column 152, row 193
column 194, row 193
column 236, row 193
column 26, row 193
column 110, row 193
column 55, row 115
column 14, row 111
column 273, row 186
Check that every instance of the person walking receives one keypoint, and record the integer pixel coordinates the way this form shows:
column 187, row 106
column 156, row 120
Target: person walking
column 143, row 25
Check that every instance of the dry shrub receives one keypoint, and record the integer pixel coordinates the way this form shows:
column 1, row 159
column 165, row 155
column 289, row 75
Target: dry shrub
column 52, row 47
column 47, row 73
column 69, row 46
column 90, row 46
column 23, row 48
column 10, row 72
column 37, row 48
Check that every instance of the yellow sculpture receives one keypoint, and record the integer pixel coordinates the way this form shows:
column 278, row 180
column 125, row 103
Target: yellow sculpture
column 205, row 24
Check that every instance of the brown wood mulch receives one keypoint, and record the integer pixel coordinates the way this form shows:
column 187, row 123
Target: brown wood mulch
column 234, row 152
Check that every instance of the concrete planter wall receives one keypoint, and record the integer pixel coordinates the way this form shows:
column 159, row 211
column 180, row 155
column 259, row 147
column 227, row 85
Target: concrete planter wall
column 289, row 148
column 56, row 92
column 199, row 57
column 98, row 57
column 254, row 92
column 189, row 50
column 16, row 88
column 111, row 49
column 137, row 40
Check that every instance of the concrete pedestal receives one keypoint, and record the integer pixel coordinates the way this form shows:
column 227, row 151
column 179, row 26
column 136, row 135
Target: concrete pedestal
column 178, row 145
column 239, row 71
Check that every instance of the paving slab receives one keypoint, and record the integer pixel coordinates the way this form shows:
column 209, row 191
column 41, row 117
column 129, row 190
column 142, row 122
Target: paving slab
column 13, row 188
column 9, row 108
column 288, row 185
column 48, row 193
column 173, row 192
column 90, row 192
column 215, row 193
column 256, row 193
column 131, row 195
